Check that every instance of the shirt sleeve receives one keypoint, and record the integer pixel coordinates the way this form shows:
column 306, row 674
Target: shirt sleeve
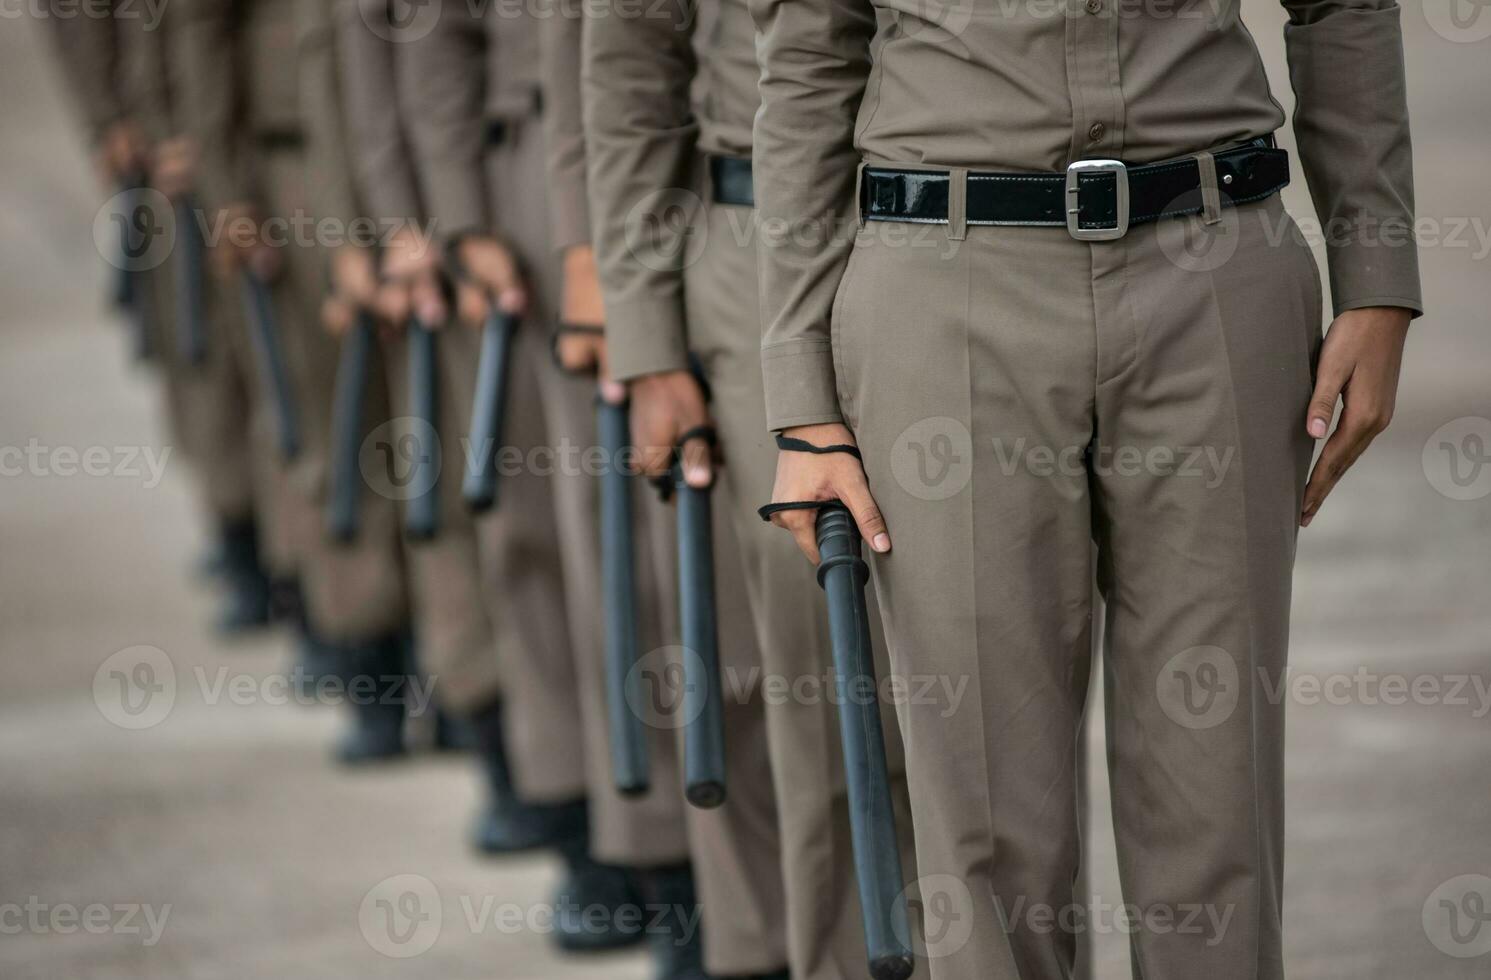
column 88, row 51
column 205, row 45
column 640, row 138
column 372, row 101
column 442, row 81
column 1351, row 123
column 815, row 62
column 564, row 131
column 331, row 190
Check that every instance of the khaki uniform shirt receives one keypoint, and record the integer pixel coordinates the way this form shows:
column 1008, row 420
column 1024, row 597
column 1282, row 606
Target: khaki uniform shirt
column 564, row 130
column 1034, row 86
column 370, row 67
column 117, row 63
column 659, row 89
column 469, row 65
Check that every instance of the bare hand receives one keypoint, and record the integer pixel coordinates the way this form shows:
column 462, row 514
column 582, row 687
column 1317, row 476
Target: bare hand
column 1359, row 364
column 174, row 169
column 664, row 407
column 836, row 476
column 411, row 282
column 490, row 270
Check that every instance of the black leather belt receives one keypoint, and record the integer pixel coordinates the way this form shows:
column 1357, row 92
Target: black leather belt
column 731, row 179
column 1095, row 200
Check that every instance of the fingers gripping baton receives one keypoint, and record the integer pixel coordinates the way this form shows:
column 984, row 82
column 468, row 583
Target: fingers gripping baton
column 877, row 861
column 137, row 227
column 422, row 516
column 703, row 696
column 191, row 313
column 343, row 510
column 629, row 763
column 488, row 411
column 274, row 372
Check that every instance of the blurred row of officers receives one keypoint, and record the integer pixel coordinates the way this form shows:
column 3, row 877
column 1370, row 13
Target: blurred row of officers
column 452, row 135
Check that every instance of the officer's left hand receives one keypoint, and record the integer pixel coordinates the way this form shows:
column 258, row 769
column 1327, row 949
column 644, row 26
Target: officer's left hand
column 1359, row 364
column 174, row 166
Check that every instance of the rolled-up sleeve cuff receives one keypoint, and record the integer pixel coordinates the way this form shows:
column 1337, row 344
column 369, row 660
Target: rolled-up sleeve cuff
column 645, row 338
column 800, row 388
column 1376, row 274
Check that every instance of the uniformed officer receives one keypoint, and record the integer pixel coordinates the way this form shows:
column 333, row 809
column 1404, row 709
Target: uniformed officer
column 669, row 101
column 1024, row 335
column 736, row 848
column 258, row 74
column 119, row 62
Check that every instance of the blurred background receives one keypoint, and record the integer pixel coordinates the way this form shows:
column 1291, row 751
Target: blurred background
column 222, row 843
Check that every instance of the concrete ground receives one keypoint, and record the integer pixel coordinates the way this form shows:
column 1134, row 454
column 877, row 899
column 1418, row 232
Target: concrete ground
column 220, row 842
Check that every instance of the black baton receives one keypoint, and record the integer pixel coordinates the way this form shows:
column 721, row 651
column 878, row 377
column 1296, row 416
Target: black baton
column 343, row 510
column 703, row 696
column 877, row 860
column 275, row 374
column 629, row 763
column 422, row 515
column 132, row 287
column 191, row 312
column 488, row 411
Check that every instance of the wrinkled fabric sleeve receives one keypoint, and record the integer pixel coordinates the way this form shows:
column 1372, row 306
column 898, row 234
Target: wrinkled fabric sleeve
column 443, row 81
column 372, row 102
column 815, row 63
column 332, row 192
column 640, row 137
column 564, row 131
column 1351, row 123
column 88, row 51
column 205, row 45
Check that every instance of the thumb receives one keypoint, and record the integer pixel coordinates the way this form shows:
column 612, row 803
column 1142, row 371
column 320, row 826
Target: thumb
column 856, row 496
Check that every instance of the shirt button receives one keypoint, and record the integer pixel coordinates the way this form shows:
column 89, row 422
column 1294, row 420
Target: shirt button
column 1097, row 132
column 1094, row 6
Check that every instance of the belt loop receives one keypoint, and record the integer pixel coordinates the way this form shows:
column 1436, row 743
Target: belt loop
column 957, row 204
column 859, row 196
column 1211, row 194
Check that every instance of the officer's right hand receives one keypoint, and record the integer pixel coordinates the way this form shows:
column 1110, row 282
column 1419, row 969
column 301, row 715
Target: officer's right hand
column 354, row 287
column 664, row 407
column 488, row 269
column 411, row 282
column 803, row 477
column 122, row 152
column 242, row 246
column 174, row 168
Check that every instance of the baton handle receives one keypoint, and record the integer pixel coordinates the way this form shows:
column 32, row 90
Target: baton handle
column 191, row 314
column 343, row 502
column 422, row 513
column 629, row 762
column 131, row 290
column 877, row 861
column 488, row 411
column 274, row 373
column 703, row 695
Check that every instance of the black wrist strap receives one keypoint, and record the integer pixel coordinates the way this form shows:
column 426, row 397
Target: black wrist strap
column 770, row 510
column 665, row 483
column 791, row 445
column 586, row 329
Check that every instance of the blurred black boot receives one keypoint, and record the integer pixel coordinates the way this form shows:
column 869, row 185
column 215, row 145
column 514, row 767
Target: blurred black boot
column 674, row 922
column 453, row 733
column 246, row 602
column 597, row 907
column 507, row 825
column 377, row 690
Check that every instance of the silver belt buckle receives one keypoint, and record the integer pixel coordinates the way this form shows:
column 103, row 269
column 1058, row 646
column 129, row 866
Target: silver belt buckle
column 1120, row 173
